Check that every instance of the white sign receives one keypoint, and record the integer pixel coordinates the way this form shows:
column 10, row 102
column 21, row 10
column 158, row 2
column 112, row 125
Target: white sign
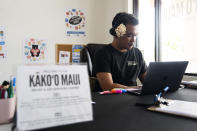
column 52, row 95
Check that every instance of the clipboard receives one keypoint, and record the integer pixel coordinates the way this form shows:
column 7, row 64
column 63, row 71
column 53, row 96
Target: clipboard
column 177, row 107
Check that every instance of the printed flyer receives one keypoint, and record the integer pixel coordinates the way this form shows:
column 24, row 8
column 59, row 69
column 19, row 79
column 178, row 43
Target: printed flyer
column 35, row 51
column 76, row 53
column 64, row 57
column 75, row 22
column 2, row 43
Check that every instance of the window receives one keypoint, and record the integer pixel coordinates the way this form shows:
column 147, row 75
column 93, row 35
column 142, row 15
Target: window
column 178, row 32
column 146, row 31
column 167, row 31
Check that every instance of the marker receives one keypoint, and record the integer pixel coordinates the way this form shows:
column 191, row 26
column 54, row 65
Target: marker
column 10, row 89
column 0, row 93
column 158, row 96
column 105, row 92
column 6, row 94
column 114, row 91
column 14, row 85
column 14, row 81
column 119, row 90
column 164, row 90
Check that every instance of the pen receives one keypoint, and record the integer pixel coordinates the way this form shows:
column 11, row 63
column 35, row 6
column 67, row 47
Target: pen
column 164, row 90
column 157, row 97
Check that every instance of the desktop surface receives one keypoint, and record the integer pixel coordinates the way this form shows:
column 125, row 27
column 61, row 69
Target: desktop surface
column 118, row 112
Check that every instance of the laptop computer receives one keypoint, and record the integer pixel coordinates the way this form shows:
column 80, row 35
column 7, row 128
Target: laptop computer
column 162, row 74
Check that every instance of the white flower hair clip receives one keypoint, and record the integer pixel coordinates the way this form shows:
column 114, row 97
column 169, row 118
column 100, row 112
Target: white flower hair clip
column 120, row 30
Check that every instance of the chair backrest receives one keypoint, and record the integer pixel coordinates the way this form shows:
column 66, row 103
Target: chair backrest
column 87, row 55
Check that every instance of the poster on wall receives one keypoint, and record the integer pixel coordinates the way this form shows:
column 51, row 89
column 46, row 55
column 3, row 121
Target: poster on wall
column 75, row 22
column 2, row 43
column 35, row 51
column 76, row 53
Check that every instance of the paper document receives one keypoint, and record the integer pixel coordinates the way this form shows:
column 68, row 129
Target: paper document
column 52, row 95
column 193, row 83
column 182, row 108
column 64, row 57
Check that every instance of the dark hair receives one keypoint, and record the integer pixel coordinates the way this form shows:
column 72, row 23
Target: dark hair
column 124, row 18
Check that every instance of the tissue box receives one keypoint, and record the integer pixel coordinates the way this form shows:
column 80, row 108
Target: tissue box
column 7, row 109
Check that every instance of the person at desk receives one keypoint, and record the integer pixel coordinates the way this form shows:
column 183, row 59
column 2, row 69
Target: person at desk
column 117, row 65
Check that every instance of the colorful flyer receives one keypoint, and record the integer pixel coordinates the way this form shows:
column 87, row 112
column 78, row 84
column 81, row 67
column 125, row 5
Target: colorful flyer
column 75, row 22
column 76, row 53
column 2, row 43
column 35, row 51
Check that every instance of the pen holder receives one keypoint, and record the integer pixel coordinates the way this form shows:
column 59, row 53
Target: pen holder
column 7, row 109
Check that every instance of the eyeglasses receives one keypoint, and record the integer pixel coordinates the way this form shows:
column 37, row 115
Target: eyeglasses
column 130, row 35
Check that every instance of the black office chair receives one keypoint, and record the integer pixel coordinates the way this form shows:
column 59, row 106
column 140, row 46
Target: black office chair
column 87, row 55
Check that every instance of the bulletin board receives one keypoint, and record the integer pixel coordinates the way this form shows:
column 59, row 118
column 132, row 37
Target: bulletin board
column 64, row 47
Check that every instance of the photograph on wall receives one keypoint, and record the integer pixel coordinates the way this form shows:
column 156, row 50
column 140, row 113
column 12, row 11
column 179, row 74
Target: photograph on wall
column 35, row 51
column 75, row 22
column 2, row 43
column 76, row 53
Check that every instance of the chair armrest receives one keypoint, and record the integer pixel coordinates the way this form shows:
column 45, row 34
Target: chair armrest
column 93, row 82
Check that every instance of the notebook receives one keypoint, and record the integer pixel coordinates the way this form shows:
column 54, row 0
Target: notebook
column 162, row 74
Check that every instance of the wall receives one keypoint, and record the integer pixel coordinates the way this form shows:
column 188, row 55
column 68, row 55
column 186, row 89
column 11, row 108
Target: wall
column 44, row 19
column 103, row 13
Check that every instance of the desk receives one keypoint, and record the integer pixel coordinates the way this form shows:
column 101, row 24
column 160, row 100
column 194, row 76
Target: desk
column 118, row 112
